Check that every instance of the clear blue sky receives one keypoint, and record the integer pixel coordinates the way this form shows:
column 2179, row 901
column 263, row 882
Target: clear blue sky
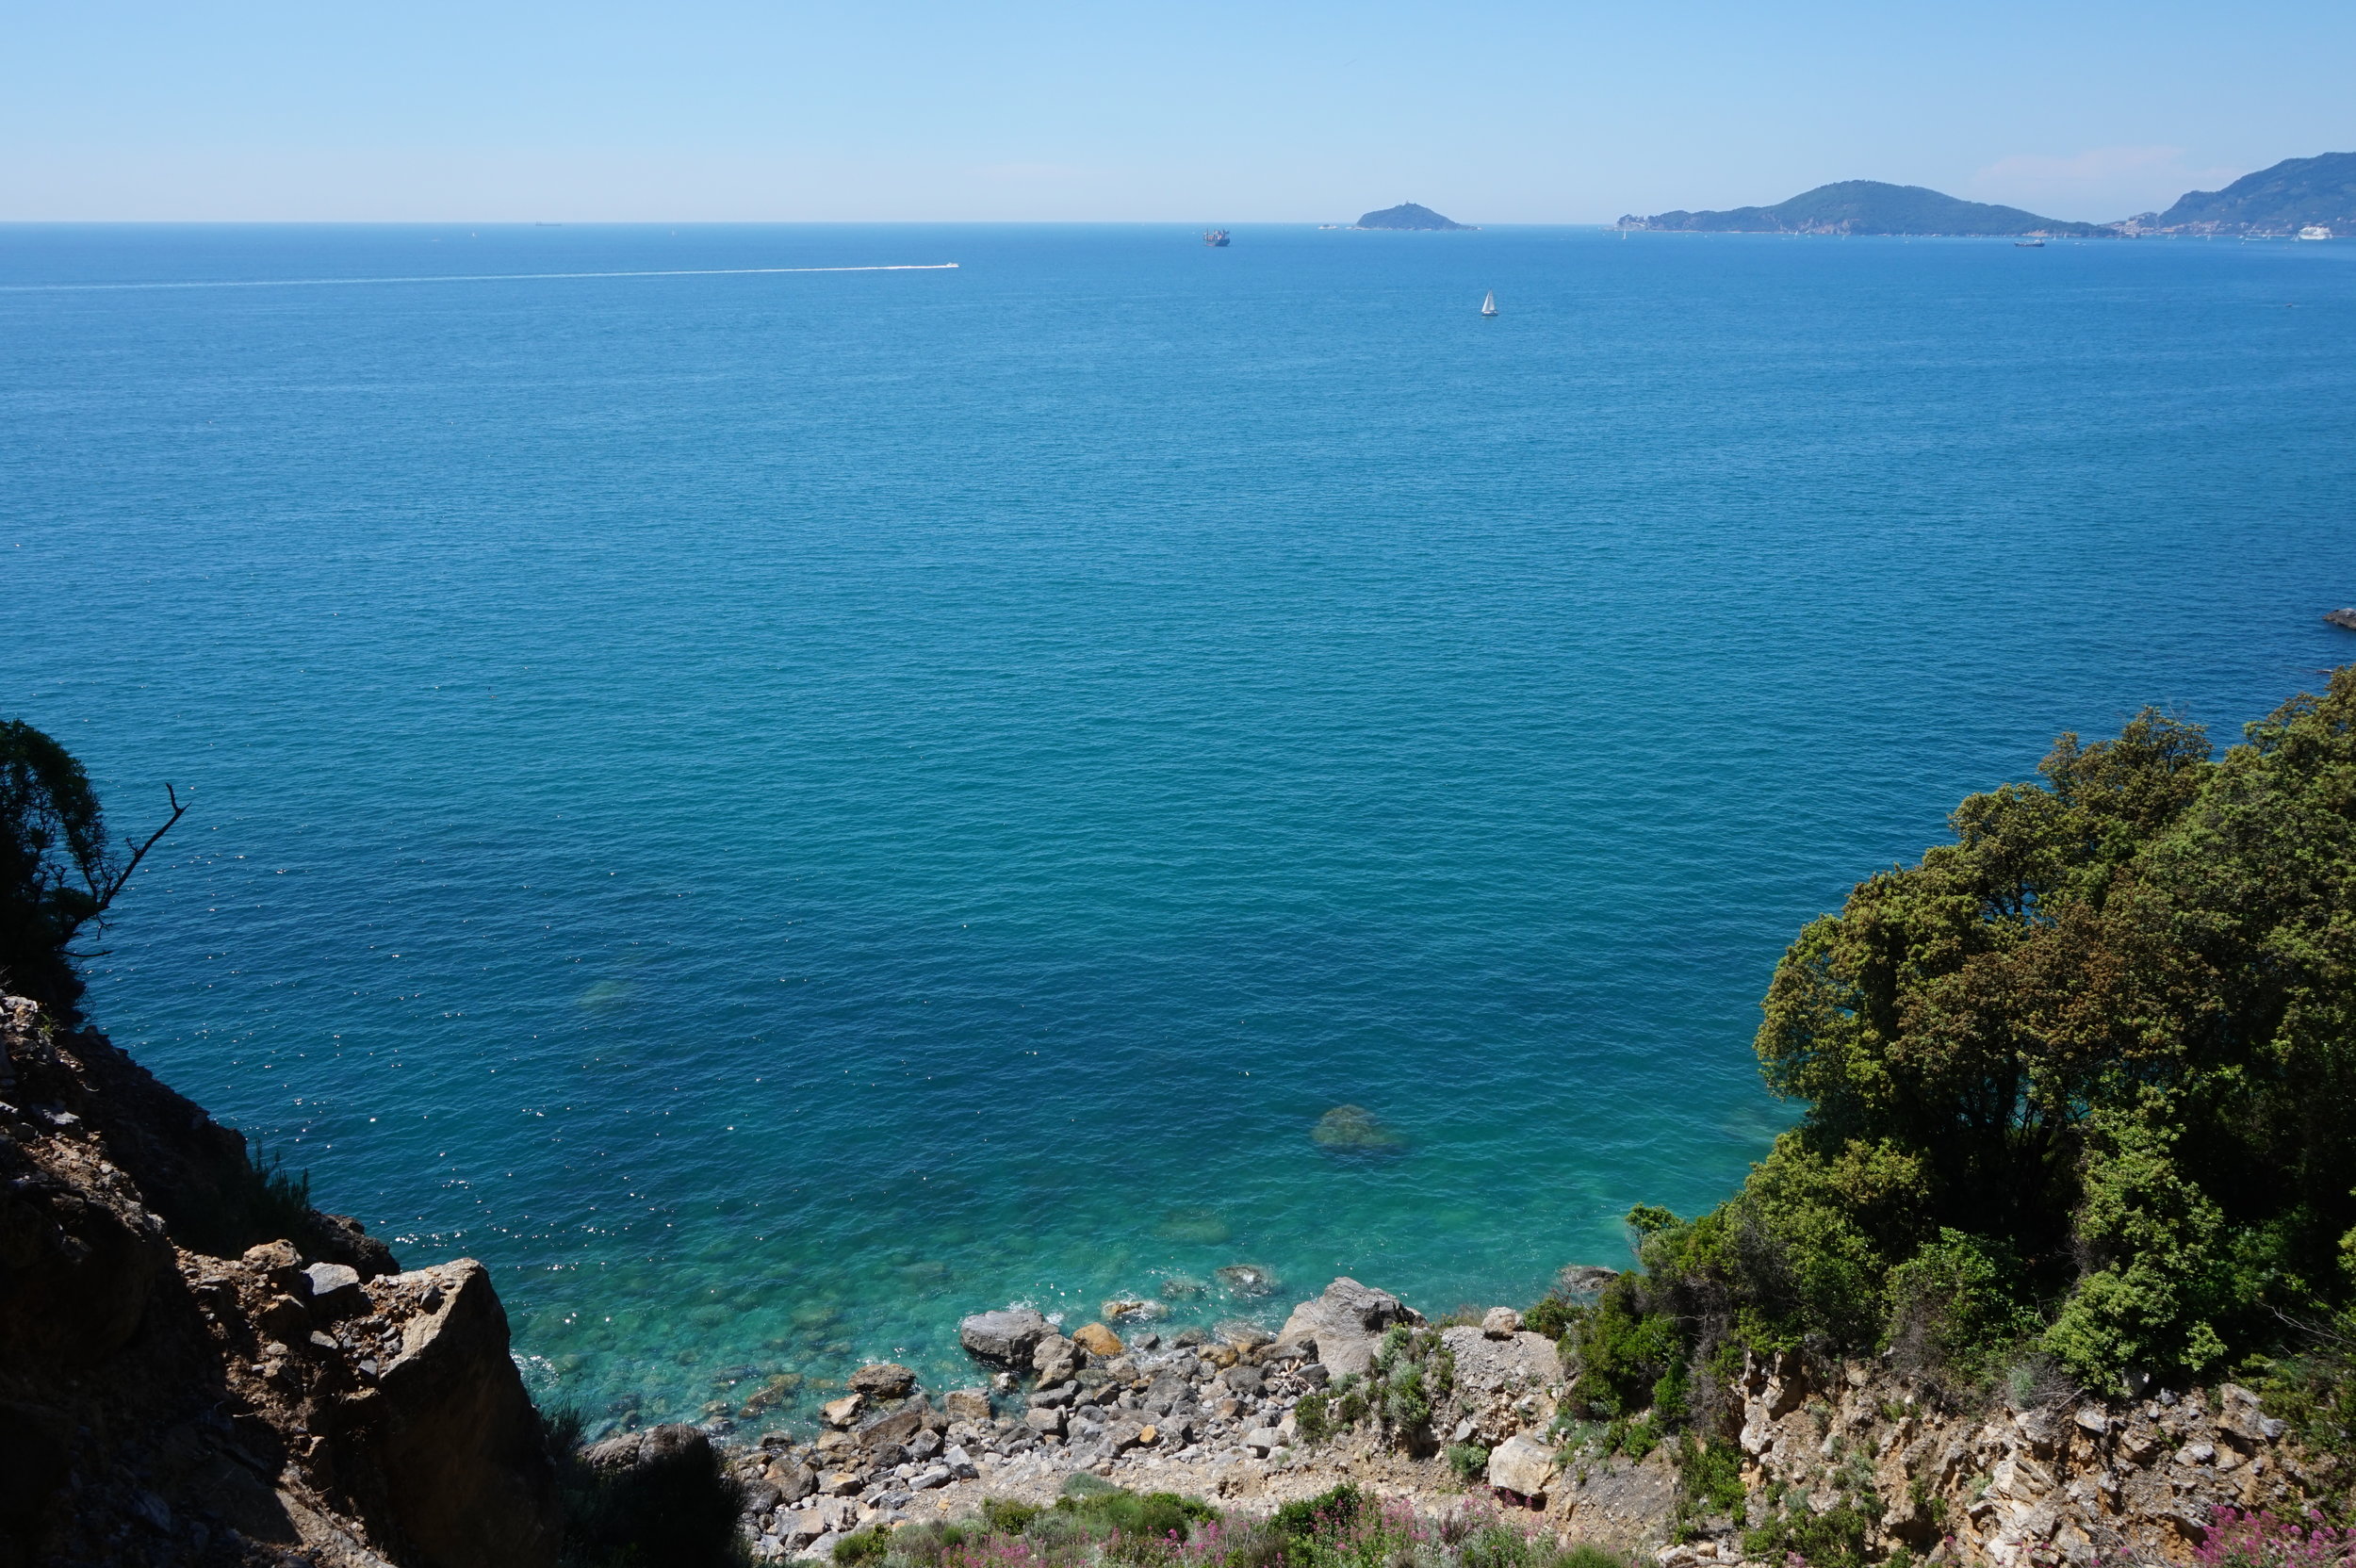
column 1202, row 111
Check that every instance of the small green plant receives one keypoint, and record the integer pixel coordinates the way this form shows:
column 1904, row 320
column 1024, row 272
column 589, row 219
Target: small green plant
column 1468, row 1460
column 862, row 1546
column 1006, row 1516
column 1313, row 1418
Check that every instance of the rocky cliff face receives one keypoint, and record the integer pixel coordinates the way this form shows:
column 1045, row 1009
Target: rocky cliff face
column 298, row 1401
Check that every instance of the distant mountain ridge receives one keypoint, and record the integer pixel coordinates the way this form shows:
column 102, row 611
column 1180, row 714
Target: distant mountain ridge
column 1866, row 207
column 2294, row 194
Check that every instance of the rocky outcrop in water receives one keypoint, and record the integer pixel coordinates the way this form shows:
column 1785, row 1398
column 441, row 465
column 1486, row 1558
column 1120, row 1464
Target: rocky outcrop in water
column 167, row 1396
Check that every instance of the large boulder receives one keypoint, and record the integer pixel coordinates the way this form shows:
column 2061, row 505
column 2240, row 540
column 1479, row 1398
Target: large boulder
column 467, row 1477
column 1522, row 1466
column 1345, row 1323
column 1003, row 1338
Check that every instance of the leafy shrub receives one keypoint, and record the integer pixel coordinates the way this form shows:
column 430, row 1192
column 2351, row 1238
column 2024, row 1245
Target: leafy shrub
column 1834, row 1539
column 1709, row 1482
column 1337, row 1509
column 1624, row 1350
column 1550, row 1315
column 1313, row 1418
column 1468, row 1460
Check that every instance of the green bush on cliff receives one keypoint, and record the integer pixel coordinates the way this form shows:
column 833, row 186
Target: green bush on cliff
column 2080, row 1085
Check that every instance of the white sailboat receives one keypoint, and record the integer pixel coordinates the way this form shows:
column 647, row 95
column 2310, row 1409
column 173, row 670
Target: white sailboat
column 1489, row 303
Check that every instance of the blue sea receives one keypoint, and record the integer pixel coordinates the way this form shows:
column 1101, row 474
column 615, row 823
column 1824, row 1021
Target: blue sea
column 779, row 808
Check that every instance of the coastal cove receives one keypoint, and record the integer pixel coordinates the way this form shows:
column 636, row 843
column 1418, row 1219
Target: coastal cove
column 777, row 810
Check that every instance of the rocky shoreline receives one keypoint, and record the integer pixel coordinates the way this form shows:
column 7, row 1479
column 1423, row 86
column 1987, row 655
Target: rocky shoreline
column 1219, row 1416
column 170, row 1394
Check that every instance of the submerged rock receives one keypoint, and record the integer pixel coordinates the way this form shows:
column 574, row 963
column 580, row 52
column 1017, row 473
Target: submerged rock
column 1356, row 1129
column 1197, row 1225
column 1246, row 1278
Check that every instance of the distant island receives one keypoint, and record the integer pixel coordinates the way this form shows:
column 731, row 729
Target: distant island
column 1408, row 215
column 2294, row 194
column 2315, row 198
column 1866, row 207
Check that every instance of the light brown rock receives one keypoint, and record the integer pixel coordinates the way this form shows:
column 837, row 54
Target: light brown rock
column 1097, row 1340
column 1523, row 1466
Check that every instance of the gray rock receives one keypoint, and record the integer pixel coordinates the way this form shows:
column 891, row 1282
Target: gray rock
column 1246, row 1278
column 961, row 1463
column 1498, row 1323
column 1242, row 1380
column 1263, row 1440
column 2239, row 1416
column 1522, row 1466
column 923, row 1445
column 930, row 1477
column 334, row 1287
column 1487, row 1366
column 1004, row 1337
column 1055, row 1397
column 1043, row 1418
column 761, row 1496
column 1344, row 1323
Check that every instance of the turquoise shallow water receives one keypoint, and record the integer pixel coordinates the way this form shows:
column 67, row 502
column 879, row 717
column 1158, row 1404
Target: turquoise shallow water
column 777, row 809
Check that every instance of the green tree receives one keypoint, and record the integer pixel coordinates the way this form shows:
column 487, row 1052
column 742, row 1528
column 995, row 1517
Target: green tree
column 2084, row 1077
column 58, row 873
